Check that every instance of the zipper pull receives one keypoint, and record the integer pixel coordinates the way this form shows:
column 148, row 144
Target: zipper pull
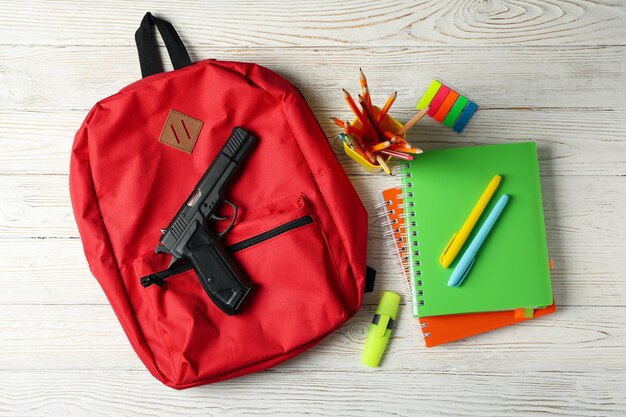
column 159, row 278
column 151, row 279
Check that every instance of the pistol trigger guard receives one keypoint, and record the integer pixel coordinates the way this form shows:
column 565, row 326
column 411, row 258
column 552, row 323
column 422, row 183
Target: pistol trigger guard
column 233, row 217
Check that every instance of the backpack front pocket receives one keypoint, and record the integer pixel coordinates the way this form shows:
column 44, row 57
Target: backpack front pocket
column 296, row 296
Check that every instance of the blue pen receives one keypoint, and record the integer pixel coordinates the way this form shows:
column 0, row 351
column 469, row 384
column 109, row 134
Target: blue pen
column 467, row 260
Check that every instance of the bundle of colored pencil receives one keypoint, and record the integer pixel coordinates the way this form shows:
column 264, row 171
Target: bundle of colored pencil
column 371, row 140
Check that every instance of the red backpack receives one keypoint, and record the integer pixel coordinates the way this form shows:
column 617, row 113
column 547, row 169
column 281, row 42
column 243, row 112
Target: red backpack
column 299, row 236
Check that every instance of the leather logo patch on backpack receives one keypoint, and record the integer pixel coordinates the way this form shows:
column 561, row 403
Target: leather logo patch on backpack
column 180, row 131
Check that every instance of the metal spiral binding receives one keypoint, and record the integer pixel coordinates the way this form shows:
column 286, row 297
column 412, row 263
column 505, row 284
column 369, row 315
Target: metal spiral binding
column 384, row 204
column 388, row 223
column 408, row 193
column 381, row 205
column 397, row 170
column 391, row 230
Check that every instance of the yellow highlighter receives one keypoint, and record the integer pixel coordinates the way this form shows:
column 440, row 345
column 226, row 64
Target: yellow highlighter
column 459, row 238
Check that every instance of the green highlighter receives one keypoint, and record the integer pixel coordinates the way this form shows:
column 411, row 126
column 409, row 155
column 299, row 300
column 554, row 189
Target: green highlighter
column 380, row 330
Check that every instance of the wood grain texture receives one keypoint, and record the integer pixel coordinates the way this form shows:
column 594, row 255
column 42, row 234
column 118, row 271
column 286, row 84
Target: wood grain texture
column 327, row 23
column 75, row 77
column 27, row 393
column 544, row 345
column 39, row 205
column 571, row 142
column 550, row 71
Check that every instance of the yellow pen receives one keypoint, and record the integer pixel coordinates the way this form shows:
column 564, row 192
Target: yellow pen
column 459, row 238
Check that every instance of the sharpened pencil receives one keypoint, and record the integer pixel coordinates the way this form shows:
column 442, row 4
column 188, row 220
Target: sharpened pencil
column 404, row 144
column 402, row 148
column 365, row 88
column 420, row 114
column 354, row 107
column 385, row 110
column 352, row 130
column 357, row 112
column 380, row 146
column 397, row 154
column 394, row 138
column 383, row 164
column 370, row 117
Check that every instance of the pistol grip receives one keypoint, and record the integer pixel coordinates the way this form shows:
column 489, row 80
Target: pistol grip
column 222, row 280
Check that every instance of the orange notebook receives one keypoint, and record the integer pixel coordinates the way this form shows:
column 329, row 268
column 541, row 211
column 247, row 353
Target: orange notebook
column 443, row 329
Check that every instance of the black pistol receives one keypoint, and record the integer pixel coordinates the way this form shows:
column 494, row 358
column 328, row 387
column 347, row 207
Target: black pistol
column 188, row 237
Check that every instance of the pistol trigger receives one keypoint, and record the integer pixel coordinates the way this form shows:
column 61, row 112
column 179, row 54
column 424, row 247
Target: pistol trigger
column 235, row 208
column 232, row 218
column 218, row 218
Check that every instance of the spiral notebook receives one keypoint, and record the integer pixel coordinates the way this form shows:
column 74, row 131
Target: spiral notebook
column 440, row 329
column 511, row 270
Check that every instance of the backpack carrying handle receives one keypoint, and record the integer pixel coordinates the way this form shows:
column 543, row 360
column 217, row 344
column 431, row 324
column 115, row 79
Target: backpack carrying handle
column 148, row 59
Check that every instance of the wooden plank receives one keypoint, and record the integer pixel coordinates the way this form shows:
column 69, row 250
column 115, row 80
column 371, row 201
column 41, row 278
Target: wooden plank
column 75, row 77
column 570, row 142
column 584, row 224
column 375, row 393
column 270, row 23
column 31, row 204
column 575, row 339
column 54, row 271
column 39, row 205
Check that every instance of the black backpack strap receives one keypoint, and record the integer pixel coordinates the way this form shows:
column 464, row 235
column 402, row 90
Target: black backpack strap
column 370, row 278
column 148, row 58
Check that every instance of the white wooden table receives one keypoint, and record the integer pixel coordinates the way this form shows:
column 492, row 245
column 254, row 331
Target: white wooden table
column 550, row 71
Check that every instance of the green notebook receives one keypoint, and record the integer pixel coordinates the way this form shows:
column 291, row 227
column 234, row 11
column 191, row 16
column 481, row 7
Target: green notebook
column 511, row 268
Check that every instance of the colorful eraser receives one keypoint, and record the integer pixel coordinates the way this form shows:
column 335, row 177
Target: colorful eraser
column 429, row 95
column 446, row 106
column 456, row 110
column 465, row 117
column 438, row 100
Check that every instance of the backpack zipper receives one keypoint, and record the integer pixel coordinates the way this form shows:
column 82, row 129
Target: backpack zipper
column 279, row 230
column 158, row 277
